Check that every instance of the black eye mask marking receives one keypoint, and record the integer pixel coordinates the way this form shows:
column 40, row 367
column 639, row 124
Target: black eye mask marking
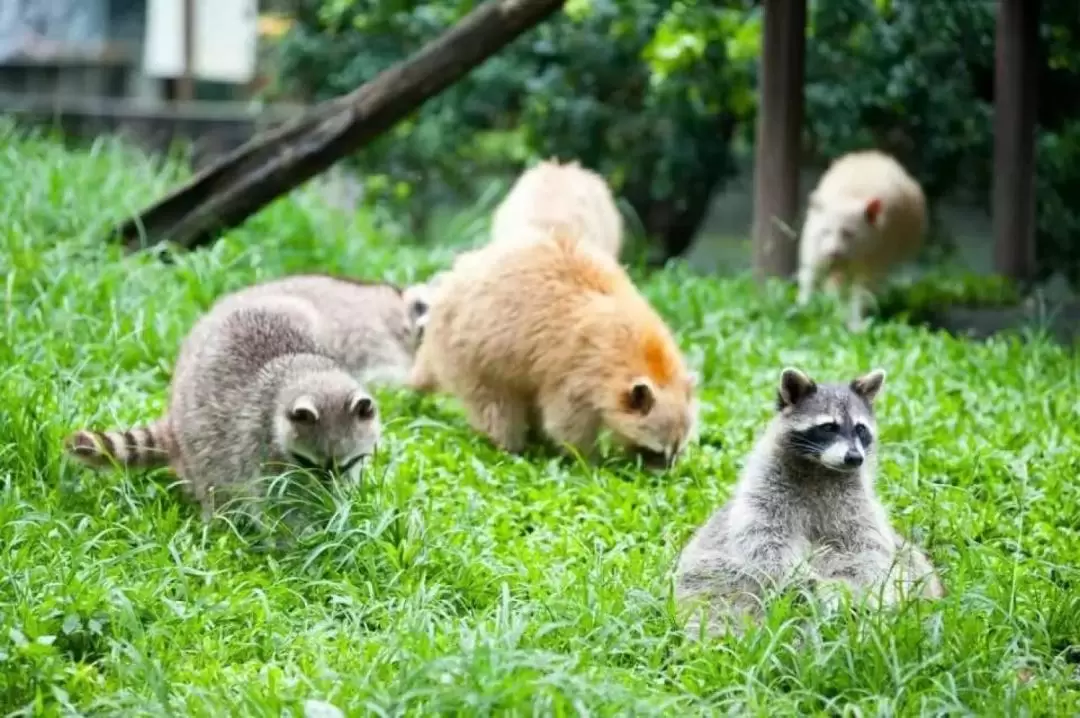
column 328, row 467
column 351, row 463
column 820, row 436
column 305, row 463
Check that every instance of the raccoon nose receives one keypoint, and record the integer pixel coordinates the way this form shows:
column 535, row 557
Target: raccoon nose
column 853, row 458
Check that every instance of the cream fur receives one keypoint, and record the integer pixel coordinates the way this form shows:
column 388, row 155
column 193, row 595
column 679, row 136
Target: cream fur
column 552, row 334
column 856, row 250
column 550, row 195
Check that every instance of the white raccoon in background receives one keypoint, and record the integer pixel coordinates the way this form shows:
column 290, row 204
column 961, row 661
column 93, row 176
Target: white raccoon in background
column 866, row 216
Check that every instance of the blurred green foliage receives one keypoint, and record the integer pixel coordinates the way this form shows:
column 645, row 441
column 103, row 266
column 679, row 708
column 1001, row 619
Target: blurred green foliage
column 648, row 93
column 921, row 300
column 660, row 97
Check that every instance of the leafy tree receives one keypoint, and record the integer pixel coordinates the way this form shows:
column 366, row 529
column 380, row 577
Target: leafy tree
column 648, row 93
column 656, row 96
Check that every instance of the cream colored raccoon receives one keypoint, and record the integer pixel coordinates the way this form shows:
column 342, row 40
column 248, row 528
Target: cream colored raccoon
column 547, row 198
column 253, row 392
column 866, row 215
column 553, row 334
column 552, row 195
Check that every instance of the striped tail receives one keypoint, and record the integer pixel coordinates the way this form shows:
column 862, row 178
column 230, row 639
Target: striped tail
column 144, row 447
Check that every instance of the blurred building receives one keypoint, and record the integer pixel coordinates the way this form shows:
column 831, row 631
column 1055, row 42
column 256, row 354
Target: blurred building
column 94, row 66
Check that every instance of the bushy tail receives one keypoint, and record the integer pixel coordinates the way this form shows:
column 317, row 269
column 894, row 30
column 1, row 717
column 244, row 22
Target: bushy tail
column 144, row 447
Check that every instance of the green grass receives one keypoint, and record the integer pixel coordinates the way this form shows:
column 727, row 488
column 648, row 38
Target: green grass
column 459, row 580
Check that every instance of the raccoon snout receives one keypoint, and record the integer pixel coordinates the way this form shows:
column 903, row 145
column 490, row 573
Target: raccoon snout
column 656, row 460
column 853, row 458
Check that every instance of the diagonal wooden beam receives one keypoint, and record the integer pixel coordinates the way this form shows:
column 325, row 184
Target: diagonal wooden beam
column 228, row 192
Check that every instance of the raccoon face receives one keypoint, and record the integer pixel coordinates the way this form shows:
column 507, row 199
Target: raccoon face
column 832, row 425
column 655, row 422
column 835, row 228
column 328, row 423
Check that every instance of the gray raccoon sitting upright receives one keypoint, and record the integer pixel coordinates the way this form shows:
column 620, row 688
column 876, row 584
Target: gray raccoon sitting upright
column 253, row 393
column 804, row 508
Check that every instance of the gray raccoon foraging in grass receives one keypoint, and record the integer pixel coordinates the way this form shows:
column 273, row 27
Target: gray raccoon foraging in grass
column 253, row 393
column 804, row 509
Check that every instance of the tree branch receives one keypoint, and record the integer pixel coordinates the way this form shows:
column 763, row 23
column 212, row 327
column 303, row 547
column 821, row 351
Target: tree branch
column 225, row 194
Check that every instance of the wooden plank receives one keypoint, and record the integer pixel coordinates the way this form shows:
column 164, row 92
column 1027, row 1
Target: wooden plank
column 1015, row 105
column 779, row 130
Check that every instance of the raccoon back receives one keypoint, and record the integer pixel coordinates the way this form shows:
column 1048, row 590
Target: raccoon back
column 567, row 196
column 533, row 313
column 369, row 327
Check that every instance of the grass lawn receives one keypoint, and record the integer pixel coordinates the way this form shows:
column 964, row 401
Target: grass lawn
column 459, row 580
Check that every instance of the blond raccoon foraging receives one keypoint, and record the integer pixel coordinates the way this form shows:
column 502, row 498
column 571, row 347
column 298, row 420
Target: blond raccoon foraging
column 866, row 216
column 553, row 335
column 565, row 196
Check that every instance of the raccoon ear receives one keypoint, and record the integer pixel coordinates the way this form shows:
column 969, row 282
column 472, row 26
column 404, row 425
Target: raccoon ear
column 794, row 387
column 641, row 397
column 303, row 411
column 868, row 385
column 873, row 210
column 362, row 407
column 416, row 301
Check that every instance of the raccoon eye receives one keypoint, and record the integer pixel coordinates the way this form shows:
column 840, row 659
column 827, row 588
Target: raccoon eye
column 303, row 415
column 863, row 434
column 830, row 427
column 364, row 408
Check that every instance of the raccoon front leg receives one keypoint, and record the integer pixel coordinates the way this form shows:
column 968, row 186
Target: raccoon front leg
column 568, row 420
column 857, row 321
column 867, row 571
column 422, row 377
column 504, row 418
column 808, row 276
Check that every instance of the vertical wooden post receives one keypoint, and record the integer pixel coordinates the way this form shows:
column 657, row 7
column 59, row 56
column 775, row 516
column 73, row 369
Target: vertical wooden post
column 1015, row 104
column 185, row 85
column 779, row 130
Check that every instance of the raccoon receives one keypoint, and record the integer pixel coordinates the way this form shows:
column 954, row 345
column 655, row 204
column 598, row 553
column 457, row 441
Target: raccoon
column 804, row 510
column 553, row 335
column 550, row 194
column 253, row 393
column 866, row 216
column 372, row 329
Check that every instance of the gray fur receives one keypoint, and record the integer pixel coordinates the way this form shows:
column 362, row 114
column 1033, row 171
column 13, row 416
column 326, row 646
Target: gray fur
column 299, row 347
column 371, row 329
column 796, row 519
column 243, row 374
